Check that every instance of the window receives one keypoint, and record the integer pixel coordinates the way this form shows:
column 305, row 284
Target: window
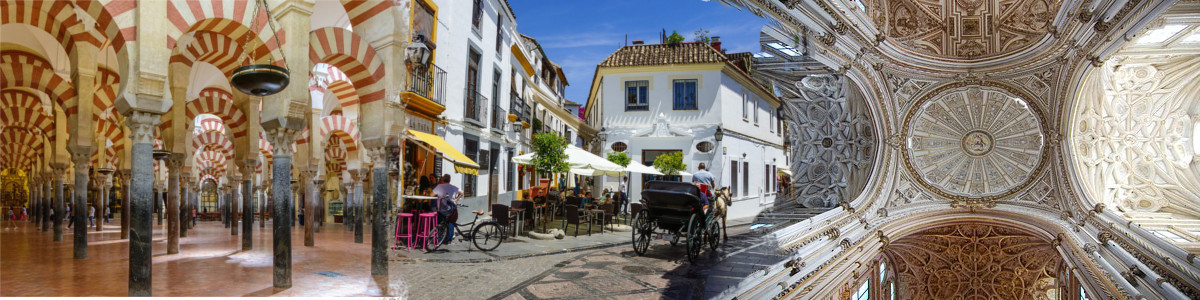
column 499, row 34
column 471, row 145
column 636, row 95
column 766, row 178
column 745, row 107
column 496, row 117
column 861, row 294
column 882, row 271
column 685, row 94
column 619, row 146
column 733, row 175
column 745, row 178
column 471, row 111
column 512, row 171
column 1082, row 294
column 477, row 14
column 755, row 112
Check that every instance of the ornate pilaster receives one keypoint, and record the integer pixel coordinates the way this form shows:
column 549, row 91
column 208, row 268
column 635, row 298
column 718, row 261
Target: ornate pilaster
column 141, row 127
column 281, row 187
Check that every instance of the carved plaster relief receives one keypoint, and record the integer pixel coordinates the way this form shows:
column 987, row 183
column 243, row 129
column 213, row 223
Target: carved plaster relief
column 973, row 262
column 833, row 143
column 963, row 29
column 974, row 142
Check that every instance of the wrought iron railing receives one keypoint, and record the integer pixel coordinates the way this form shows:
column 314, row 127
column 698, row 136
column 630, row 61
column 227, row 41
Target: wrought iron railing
column 429, row 82
column 499, row 117
column 475, row 107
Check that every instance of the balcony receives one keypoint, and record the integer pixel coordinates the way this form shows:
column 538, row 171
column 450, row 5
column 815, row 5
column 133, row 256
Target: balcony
column 427, row 89
column 519, row 108
column 499, row 118
column 475, row 108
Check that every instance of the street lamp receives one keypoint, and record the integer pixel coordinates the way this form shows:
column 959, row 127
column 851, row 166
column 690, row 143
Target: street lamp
column 418, row 52
column 719, row 135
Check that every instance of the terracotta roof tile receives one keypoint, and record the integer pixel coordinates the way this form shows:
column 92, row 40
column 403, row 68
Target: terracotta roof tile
column 663, row 54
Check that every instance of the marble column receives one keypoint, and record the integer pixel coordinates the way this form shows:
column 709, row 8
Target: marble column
column 263, row 201
column 319, row 208
column 186, row 204
column 347, row 219
column 60, row 170
column 235, row 186
column 141, row 126
column 158, row 203
column 224, row 196
column 310, row 206
column 126, row 204
column 47, row 199
column 358, row 209
column 101, row 200
column 281, row 188
column 174, row 168
column 379, row 209
column 248, row 168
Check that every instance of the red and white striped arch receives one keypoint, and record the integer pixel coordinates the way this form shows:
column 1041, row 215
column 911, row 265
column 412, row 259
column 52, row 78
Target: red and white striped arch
column 19, row 98
column 12, row 136
column 115, row 18
column 218, row 102
column 356, row 58
column 344, row 129
column 213, row 124
column 56, row 18
column 111, row 130
column 218, row 50
column 210, row 157
column 28, row 118
column 110, row 158
column 106, row 90
column 360, row 11
column 213, row 140
column 22, row 57
column 42, row 79
column 230, row 18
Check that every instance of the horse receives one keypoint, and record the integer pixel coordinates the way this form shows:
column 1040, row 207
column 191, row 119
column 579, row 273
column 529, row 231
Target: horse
column 721, row 209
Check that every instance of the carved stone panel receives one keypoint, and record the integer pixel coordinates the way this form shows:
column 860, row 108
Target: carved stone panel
column 963, row 29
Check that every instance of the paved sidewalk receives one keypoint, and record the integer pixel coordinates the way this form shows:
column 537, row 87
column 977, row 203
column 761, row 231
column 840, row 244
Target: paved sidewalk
column 516, row 247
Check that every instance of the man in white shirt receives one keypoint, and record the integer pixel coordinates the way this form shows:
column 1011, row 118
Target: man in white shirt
column 445, row 189
column 446, row 194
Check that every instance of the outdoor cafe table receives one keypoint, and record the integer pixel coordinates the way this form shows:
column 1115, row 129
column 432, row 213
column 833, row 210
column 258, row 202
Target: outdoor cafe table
column 410, row 200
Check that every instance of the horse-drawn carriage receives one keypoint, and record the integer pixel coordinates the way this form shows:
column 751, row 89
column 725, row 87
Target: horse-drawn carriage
column 674, row 210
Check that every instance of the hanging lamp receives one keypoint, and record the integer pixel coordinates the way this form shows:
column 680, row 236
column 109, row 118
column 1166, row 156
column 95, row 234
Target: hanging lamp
column 261, row 79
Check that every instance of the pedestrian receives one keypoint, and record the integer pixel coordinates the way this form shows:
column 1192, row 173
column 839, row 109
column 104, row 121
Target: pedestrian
column 12, row 219
column 622, row 199
column 24, row 214
column 447, row 202
column 92, row 215
column 301, row 216
column 70, row 214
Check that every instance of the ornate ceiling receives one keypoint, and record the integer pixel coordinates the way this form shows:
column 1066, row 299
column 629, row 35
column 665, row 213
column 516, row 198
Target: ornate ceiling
column 963, row 29
column 1132, row 135
column 973, row 262
column 974, row 141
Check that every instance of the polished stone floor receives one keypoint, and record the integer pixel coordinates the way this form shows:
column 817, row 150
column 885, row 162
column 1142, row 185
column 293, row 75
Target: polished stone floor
column 210, row 264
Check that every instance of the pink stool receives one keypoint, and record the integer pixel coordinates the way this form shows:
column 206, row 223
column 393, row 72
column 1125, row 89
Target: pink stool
column 404, row 218
column 425, row 222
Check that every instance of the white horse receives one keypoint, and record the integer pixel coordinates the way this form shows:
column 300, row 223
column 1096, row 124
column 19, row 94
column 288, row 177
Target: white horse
column 721, row 209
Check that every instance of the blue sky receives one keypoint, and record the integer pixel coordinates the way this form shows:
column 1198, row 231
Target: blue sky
column 579, row 34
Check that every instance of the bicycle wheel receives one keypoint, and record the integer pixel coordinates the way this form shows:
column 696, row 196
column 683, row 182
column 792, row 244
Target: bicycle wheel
column 487, row 236
column 713, row 238
column 642, row 228
column 436, row 235
column 695, row 239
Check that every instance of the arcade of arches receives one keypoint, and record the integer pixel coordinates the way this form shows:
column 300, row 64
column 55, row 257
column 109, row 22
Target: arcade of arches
column 972, row 149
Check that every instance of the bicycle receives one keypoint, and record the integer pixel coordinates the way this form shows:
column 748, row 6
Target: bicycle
column 481, row 234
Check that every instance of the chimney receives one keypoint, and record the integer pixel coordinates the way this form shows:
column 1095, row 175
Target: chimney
column 716, row 43
column 638, row 42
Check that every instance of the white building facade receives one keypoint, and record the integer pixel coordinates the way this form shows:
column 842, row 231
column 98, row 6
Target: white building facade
column 648, row 100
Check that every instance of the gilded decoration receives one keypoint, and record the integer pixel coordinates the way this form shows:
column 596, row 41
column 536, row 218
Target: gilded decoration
column 972, row 261
column 974, row 143
column 964, row 29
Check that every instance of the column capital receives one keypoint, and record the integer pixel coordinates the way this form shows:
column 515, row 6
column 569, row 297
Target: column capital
column 248, row 167
column 281, row 139
column 60, row 169
column 81, row 156
column 175, row 163
column 378, row 156
column 141, row 126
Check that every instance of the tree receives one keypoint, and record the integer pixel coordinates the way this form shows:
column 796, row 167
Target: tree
column 548, row 153
column 670, row 163
column 701, row 35
column 619, row 158
column 674, row 38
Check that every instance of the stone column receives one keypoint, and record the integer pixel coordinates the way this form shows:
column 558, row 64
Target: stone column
column 80, row 157
column 262, row 201
column 310, row 206
column 379, row 209
column 101, row 201
column 141, row 126
column 248, row 203
column 60, row 170
column 319, row 208
column 223, row 203
column 47, row 199
column 358, row 205
column 126, row 204
column 281, row 187
column 185, row 219
column 235, row 197
column 159, row 201
column 174, row 166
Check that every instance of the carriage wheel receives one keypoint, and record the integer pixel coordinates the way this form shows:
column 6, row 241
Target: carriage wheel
column 642, row 228
column 714, row 234
column 695, row 241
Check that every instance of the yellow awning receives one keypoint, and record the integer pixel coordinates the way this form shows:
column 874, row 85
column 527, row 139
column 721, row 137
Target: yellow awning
column 462, row 163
